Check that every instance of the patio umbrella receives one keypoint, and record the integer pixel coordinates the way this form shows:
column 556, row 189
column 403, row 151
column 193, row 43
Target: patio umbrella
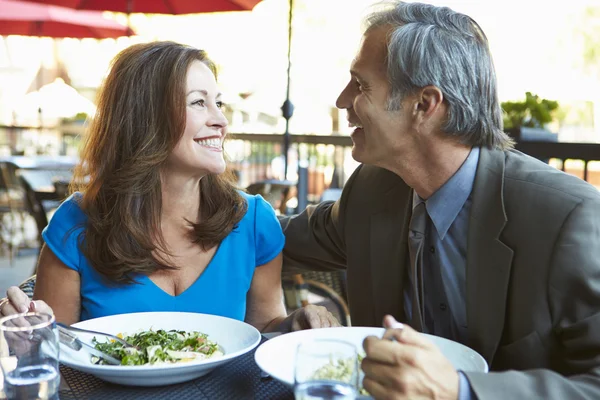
column 32, row 19
column 71, row 102
column 156, row 6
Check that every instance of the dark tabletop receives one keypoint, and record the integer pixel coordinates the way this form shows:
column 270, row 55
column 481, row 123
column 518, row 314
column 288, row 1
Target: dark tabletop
column 238, row 379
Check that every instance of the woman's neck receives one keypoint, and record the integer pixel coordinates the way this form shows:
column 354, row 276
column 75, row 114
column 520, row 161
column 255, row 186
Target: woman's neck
column 180, row 201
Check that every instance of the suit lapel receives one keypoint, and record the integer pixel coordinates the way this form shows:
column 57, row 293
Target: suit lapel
column 389, row 249
column 488, row 259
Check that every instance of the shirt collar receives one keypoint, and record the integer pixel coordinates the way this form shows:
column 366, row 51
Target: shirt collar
column 445, row 204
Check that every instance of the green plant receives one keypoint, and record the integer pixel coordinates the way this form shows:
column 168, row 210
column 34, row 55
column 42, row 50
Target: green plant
column 533, row 112
column 81, row 116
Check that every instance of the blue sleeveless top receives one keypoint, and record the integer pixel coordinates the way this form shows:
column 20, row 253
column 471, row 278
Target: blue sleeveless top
column 220, row 290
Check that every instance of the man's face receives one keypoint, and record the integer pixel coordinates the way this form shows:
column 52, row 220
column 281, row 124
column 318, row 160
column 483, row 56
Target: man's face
column 380, row 135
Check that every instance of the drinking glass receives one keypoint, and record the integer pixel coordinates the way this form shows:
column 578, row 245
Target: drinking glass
column 29, row 356
column 326, row 369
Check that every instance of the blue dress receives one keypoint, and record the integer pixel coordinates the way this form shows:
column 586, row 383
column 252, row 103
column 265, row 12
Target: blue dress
column 221, row 289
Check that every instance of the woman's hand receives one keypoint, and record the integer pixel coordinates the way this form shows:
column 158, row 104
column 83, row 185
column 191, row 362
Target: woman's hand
column 309, row 317
column 17, row 302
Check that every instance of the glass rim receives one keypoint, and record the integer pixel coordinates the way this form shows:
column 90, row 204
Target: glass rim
column 326, row 340
column 306, row 348
column 45, row 324
column 305, row 344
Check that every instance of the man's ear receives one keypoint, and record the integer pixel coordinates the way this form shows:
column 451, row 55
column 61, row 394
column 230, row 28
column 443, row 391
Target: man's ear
column 429, row 101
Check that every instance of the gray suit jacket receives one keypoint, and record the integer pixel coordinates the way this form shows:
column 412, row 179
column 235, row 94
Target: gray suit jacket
column 533, row 269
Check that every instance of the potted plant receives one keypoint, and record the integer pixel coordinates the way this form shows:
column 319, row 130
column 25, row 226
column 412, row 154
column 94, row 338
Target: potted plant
column 79, row 119
column 526, row 120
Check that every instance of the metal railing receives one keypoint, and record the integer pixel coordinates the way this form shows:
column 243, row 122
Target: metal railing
column 585, row 152
column 316, row 163
column 319, row 162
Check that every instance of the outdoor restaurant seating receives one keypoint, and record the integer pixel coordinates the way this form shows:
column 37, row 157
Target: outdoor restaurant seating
column 12, row 209
column 330, row 286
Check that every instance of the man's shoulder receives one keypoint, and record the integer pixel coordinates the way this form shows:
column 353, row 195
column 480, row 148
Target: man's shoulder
column 376, row 180
column 372, row 189
column 528, row 175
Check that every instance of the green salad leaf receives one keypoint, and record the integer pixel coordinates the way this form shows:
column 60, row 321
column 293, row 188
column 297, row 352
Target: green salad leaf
column 341, row 370
column 160, row 346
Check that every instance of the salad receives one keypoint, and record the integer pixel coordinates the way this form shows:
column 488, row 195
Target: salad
column 341, row 370
column 159, row 347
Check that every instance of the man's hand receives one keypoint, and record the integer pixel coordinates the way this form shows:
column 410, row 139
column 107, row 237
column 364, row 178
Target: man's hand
column 309, row 317
column 405, row 365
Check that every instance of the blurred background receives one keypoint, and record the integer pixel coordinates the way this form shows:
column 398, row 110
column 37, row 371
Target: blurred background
column 547, row 57
column 550, row 49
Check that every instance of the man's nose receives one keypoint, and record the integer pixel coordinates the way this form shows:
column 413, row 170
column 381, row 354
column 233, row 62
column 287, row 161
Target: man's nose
column 344, row 100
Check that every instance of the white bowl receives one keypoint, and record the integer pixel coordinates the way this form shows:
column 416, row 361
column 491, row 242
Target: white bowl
column 234, row 337
column 276, row 356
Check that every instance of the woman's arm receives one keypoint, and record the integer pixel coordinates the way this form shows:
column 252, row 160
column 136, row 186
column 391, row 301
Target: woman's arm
column 58, row 286
column 265, row 309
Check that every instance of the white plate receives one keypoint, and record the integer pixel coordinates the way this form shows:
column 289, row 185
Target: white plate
column 234, row 337
column 276, row 356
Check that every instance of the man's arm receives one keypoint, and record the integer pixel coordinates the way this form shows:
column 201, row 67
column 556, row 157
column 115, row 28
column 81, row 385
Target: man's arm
column 574, row 303
column 314, row 239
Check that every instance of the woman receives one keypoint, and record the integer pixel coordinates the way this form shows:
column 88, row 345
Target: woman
column 158, row 224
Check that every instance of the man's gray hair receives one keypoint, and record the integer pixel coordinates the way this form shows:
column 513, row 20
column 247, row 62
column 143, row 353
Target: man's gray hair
column 437, row 46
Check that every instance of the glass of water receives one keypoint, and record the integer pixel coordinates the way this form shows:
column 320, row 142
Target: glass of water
column 29, row 356
column 326, row 369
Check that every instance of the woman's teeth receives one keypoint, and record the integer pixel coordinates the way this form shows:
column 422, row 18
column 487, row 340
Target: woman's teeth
column 214, row 142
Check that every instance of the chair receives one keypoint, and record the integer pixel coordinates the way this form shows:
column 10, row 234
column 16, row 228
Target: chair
column 35, row 208
column 319, row 283
column 28, row 286
column 61, row 187
column 12, row 209
column 330, row 286
column 275, row 192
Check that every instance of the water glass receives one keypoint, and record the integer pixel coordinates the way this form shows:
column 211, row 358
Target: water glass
column 29, row 353
column 326, row 369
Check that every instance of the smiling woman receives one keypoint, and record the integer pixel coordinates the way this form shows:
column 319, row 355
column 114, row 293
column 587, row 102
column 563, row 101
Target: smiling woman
column 158, row 224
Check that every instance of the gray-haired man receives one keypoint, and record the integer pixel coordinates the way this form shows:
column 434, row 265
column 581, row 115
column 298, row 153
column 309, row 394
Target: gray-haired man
column 507, row 256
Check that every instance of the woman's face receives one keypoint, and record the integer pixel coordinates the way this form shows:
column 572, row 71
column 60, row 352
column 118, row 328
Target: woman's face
column 200, row 150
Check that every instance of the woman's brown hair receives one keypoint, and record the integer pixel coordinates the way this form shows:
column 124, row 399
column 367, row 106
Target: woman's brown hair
column 139, row 120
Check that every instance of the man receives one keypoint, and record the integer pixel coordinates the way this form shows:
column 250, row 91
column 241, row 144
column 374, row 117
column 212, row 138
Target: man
column 448, row 229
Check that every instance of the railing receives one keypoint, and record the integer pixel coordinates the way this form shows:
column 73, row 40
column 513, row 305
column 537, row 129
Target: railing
column 318, row 162
column 326, row 160
column 315, row 162
column 585, row 152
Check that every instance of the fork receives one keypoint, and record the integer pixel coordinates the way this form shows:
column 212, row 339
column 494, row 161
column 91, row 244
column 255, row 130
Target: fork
column 108, row 335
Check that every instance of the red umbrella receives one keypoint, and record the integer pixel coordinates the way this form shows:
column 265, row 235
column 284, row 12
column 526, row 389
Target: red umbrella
column 30, row 19
column 157, row 6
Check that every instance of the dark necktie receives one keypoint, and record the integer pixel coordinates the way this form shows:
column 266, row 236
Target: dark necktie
column 416, row 242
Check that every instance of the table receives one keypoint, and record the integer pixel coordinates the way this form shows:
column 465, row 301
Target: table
column 42, row 182
column 42, row 162
column 238, row 379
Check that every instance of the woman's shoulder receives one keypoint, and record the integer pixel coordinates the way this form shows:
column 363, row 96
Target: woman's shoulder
column 255, row 203
column 247, row 196
column 70, row 209
column 258, row 210
column 267, row 235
